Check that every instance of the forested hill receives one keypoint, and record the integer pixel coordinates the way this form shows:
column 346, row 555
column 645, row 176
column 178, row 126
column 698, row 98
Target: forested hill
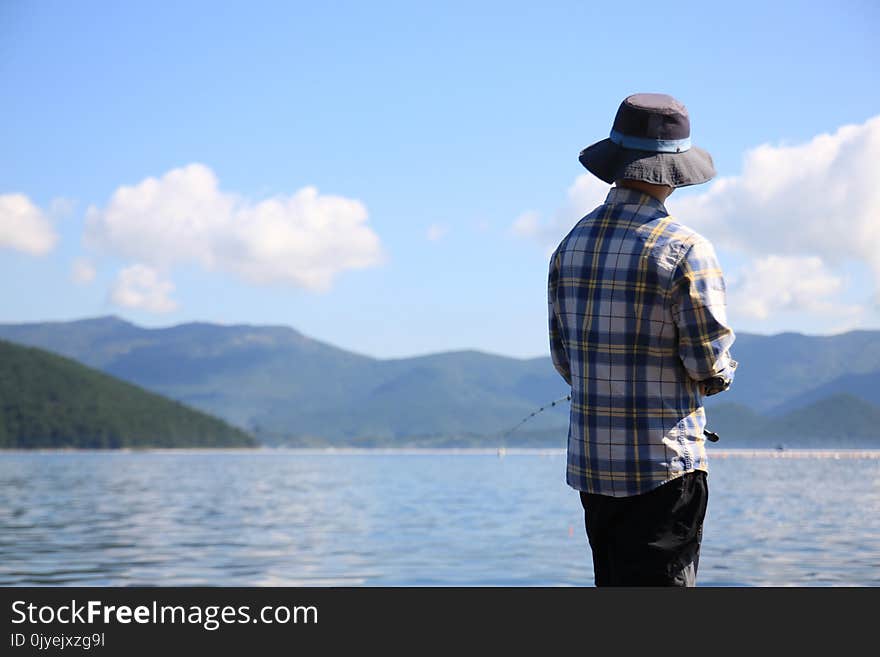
column 47, row 400
column 289, row 389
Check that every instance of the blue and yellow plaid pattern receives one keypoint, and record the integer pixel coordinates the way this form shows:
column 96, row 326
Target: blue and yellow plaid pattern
column 638, row 328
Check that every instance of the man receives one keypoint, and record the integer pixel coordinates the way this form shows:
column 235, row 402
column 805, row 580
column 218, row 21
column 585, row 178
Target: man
column 638, row 330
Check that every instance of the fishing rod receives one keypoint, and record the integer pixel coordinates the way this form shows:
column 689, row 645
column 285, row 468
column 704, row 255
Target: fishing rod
column 710, row 435
column 534, row 413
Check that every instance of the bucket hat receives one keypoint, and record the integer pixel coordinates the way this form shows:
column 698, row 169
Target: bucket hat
column 650, row 141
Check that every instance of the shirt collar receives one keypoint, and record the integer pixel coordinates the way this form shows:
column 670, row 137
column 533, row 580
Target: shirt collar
column 627, row 195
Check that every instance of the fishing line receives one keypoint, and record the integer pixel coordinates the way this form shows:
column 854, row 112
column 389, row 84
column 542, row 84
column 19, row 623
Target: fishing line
column 711, row 435
column 534, row 413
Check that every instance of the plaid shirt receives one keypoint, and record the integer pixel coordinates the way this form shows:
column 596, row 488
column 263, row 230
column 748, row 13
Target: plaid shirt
column 638, row 329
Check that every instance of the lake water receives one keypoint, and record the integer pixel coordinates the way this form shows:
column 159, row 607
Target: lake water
column 306, row 518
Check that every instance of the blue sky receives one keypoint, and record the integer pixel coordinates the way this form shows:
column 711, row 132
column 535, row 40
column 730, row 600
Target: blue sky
column 437, row 145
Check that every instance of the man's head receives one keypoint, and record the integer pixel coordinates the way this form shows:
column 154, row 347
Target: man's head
column 650, row 142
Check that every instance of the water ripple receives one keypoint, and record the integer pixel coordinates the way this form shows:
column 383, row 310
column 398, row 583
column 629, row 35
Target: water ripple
column 351, row 518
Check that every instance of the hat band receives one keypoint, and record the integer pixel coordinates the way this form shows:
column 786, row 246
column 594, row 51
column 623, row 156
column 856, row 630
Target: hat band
column 653, row 145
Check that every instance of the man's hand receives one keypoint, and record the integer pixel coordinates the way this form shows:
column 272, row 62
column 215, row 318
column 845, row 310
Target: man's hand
column 713, row 386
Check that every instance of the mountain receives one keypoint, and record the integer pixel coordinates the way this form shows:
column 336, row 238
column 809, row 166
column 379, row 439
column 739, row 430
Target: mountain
column 47, row 400
column 863, row 386
column 840, row 420
column 289, row 388
column 778, row 370
column 830, row 421
column 284, row 386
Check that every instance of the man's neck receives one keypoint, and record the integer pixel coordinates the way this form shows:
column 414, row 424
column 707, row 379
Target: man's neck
column 659, row 192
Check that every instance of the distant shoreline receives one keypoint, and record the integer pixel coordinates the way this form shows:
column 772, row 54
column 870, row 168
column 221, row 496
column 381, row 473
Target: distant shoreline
column 500, row 452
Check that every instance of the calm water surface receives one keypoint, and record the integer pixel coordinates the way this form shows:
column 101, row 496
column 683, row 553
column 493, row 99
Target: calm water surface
column 303, row 518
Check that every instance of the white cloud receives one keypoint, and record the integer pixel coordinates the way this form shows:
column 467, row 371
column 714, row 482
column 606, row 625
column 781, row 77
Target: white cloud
column 304, row 239
column 528, row 224
column 144, row 288
column 82, row 271
column 585, row 194
column 774, row 283
column 820, row 198
column 799, row 212
column 24, row 227
column 436, row 232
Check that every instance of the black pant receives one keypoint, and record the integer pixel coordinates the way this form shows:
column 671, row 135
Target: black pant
column 651, row 539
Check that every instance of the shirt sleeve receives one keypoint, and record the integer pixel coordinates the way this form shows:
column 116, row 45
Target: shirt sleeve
column 699, row 307
column 557, row 346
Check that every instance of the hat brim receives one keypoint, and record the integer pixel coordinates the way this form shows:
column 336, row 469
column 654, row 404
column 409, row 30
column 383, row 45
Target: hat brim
column 611, row 162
